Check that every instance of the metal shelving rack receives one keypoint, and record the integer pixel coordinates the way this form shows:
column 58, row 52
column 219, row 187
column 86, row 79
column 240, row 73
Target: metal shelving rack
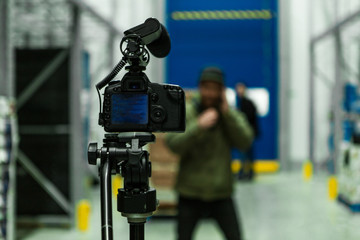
column 333, row 80
column 69, row 24
column 45, row 24
column 334, row 88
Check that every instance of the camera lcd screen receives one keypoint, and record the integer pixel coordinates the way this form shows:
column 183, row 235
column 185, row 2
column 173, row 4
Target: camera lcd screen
column 129, row 108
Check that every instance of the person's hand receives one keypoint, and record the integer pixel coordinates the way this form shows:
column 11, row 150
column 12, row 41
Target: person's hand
column 208, row 118
column 224, row 107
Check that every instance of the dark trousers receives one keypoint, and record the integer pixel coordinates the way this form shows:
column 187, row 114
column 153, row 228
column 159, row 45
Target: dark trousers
column 190, row 211
column 247, row 170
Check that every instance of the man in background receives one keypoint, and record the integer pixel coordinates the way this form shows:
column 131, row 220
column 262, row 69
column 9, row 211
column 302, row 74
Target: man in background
column 205, row 181
column 246, row 106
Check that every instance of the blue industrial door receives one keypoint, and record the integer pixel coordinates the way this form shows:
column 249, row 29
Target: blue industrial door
column 238, row 36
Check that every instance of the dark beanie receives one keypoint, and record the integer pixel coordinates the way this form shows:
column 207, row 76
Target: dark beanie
column 212, row 74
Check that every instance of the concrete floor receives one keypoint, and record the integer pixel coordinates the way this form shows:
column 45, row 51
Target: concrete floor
column 277, row 206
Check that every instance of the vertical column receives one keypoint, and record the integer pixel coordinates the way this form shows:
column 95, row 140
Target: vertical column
column 7, row 124
column 284, row 69
column 112, row 35
column 312, row 84
column 77, row 149
column 156, row 68
column 6, row 56
column 312, row 63
column 358, row 62
column 338, row 96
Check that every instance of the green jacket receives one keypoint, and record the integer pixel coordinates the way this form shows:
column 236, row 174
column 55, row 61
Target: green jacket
column 205, row 155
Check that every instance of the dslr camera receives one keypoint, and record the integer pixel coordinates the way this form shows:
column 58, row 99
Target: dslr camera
column 134, row 104
column 137, row 105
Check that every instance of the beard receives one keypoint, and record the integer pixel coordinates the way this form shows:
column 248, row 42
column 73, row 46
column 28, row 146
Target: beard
column 210, row 103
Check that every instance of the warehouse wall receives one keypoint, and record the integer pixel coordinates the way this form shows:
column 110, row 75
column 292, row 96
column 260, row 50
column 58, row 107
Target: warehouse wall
column 299, row 36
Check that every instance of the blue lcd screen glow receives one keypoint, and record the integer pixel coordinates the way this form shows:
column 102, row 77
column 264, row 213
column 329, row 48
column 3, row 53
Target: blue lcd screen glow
column 129, row 108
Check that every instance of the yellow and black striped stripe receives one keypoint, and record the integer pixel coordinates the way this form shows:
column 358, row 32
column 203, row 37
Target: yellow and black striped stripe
column 222, row 15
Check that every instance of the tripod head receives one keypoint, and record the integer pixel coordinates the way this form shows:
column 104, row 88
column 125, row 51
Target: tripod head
column 127, row 156
column 123, row 154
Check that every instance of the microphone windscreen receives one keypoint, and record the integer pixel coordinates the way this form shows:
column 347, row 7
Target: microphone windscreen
column 160, row 47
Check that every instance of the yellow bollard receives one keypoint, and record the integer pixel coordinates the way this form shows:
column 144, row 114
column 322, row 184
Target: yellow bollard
column 235, row 166
column 333, row 187
column 307, row 170
column 83, row 215
column 116, row 184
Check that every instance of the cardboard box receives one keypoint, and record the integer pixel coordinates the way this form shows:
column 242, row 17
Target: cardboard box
column 164, row 164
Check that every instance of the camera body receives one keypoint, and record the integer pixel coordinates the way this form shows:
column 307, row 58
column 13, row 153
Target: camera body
column 134, row 104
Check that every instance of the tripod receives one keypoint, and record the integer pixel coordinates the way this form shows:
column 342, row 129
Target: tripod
column 122, row 153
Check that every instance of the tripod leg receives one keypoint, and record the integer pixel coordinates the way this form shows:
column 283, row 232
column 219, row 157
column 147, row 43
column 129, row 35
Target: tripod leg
column 106, row 204
column 136, row 231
